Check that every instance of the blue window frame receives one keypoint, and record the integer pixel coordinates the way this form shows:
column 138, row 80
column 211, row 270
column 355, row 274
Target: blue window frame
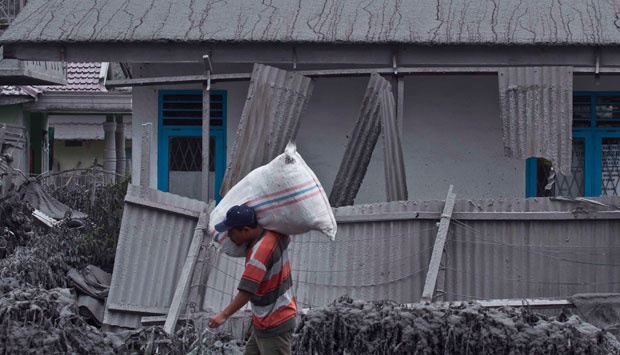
column 596, row 151
column 180, row 135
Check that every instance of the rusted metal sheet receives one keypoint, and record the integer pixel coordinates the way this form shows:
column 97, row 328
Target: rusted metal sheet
column 155, row 236
column 378, row 255
column 395, row 179
column 270, row 119
column 361, row 144
column 536, row 106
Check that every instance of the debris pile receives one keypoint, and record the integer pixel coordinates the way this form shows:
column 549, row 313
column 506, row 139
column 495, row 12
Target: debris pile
column 39, row 308
column 46, row 320
column 39, row 311
column 358, row 327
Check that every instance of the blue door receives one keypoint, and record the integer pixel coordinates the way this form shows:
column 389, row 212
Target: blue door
column 595, row 167
column 180, row 142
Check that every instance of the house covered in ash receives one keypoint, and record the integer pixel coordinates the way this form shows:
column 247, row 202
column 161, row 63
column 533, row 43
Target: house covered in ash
column 478, row 87
column 390, row 103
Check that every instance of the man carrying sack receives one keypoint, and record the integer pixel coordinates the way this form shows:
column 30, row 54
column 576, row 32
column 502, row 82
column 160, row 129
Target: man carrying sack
column 266, row 283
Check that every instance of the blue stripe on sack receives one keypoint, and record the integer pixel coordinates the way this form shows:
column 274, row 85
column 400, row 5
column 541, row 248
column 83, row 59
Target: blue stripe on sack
column 289, row 196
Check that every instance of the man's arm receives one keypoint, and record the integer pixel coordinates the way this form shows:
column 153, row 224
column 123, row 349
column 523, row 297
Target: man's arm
column 240, row 300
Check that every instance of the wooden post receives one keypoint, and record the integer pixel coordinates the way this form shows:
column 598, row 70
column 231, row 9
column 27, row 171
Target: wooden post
column 180, row 294
column 400, row 104
column 440, row 242
column 145, row 157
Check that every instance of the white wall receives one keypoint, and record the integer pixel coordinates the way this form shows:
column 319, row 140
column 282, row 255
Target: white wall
column 452, row 134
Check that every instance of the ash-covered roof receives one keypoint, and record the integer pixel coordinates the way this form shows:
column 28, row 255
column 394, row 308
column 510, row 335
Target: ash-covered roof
column 13, row 90
column 81, row 77
column 567, row 22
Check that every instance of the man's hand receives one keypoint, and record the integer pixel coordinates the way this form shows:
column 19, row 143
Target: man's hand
column 217, row 320
column 239, row 301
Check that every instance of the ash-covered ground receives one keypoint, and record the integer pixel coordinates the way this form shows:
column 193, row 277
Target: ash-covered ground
column 39, row 311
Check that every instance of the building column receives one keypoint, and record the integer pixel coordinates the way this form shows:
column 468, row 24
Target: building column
column 120, row 148
column 109, row 150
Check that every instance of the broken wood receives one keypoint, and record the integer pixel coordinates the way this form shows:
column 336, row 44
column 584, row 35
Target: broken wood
column 180, row 294
column 158, row 206
column 440, row 242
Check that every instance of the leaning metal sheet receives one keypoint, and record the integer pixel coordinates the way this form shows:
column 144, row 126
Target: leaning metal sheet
column 156, row 232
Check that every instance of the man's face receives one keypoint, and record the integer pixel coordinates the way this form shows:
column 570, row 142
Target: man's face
column 238, row 235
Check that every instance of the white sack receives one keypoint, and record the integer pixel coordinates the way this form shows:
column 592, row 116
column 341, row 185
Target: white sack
column 287, row 197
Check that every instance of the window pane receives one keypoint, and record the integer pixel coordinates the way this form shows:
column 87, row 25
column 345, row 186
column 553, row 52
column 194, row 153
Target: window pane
column 185, row 154
column 573, row 185
column 610, row 166
column 608, row 111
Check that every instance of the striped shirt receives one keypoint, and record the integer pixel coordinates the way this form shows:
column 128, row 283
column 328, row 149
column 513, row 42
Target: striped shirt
column 267, row 276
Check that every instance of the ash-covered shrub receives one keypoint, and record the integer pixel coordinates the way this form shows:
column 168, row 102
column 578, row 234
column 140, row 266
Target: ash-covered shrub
column 41, row 256
column 16, row 228
column 99, row 234
column 186, row 340
column 36, row 266
column 359, row 327
column 35, row 320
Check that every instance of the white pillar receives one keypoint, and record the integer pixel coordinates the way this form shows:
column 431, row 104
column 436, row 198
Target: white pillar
column 120, row 148
column 109, row 151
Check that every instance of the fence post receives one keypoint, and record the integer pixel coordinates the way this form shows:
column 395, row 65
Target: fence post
column 440, row 242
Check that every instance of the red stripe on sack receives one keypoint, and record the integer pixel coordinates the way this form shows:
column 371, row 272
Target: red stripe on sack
column 305, row 197
column 302, row 185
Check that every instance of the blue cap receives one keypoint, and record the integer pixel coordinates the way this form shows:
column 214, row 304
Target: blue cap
column 236, row 217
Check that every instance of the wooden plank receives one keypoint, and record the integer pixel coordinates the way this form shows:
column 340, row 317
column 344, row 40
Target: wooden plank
column 158, row 206
column 180, row 294
column 158, row 320
column 136, row 308
column 440, row 241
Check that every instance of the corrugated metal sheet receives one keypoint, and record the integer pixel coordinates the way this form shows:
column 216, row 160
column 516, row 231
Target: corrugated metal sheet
column 361, row 144
column 496, row 248
column 536, row 106
column 155, row 235
column 270, row 119
column 395, row 179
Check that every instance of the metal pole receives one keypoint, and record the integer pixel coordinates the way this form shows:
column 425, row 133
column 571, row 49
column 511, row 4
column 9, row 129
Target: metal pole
column 206, row 128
